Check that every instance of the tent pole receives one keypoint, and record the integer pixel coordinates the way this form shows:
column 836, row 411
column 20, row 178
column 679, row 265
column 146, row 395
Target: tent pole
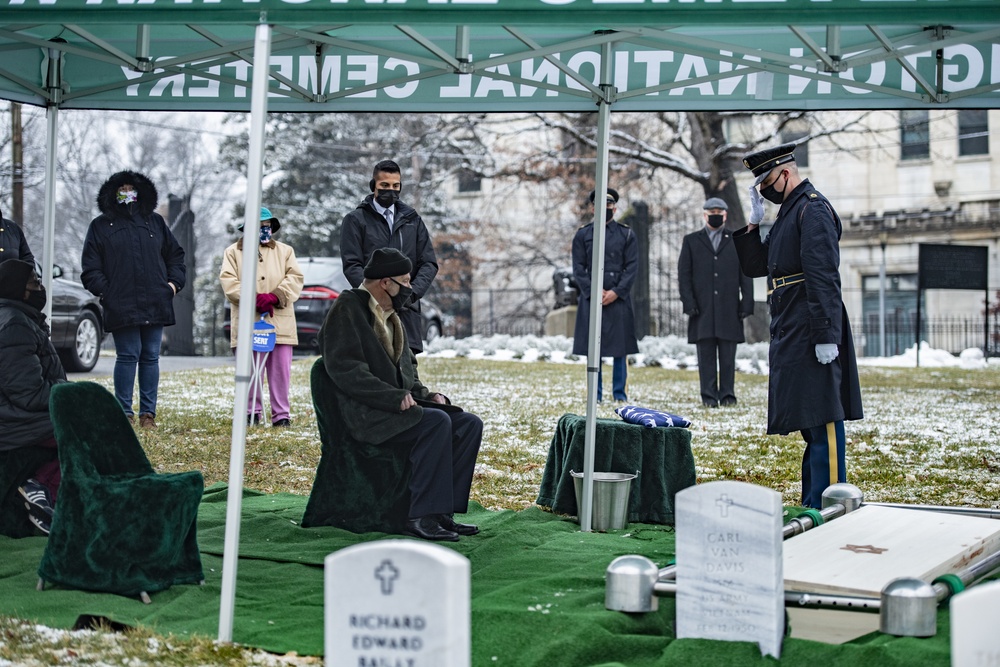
column 53, row 84
column 248, row 295
column 596, row 287
column 49, row 223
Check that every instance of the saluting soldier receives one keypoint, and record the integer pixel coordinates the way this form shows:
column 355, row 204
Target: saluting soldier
column 813, row 385
column 621, row 265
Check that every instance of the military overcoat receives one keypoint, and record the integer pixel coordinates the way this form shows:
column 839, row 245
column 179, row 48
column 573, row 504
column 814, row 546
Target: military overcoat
column 804, row 244
column 621, row 266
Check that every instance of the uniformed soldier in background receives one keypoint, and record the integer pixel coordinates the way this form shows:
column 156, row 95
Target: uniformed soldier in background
column 621, row 265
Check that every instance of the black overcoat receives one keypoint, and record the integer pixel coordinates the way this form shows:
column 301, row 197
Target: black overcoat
column 714, row 292
column 369, row 383
column 621, row 266
column 803, row 393
column 364, row 231
column 130, row 255
column 13, row 245
column 29, row 368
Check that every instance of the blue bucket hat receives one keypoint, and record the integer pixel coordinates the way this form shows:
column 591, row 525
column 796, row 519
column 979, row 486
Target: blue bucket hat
column 265, row 214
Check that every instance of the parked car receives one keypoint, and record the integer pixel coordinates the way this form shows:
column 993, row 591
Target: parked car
column 323, row 281
column 77, row 323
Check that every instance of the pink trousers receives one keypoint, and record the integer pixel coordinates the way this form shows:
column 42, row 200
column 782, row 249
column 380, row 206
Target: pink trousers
column 279, row 369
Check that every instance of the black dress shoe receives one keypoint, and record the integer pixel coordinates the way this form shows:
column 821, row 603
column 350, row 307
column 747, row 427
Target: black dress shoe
column 448, row 523
column 428, row 528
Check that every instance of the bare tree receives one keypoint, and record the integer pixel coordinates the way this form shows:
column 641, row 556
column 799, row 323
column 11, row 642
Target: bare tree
column 317, row 167
column 673, row 161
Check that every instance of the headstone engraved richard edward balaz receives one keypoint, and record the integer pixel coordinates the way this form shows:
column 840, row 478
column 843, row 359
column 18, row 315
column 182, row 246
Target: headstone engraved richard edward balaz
column 397, row 603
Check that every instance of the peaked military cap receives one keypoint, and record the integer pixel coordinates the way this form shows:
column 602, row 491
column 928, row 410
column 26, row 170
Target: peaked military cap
column 762, row 162
column 611, row 193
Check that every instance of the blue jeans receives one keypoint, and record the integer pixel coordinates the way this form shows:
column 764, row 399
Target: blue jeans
column 137, row 345
column 619, row 373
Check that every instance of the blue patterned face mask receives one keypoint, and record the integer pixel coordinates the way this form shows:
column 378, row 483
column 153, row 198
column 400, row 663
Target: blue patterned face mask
column 265, row 235
column 127, row 196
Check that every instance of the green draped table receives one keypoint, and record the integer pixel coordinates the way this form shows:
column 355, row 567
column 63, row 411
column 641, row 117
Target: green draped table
column 662, row 457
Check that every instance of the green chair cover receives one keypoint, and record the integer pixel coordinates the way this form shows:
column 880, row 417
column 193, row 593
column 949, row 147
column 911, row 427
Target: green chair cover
column 359, row 486
column 118, row 527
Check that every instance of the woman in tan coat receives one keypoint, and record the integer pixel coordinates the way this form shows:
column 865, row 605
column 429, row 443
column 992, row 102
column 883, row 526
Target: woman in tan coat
column 279, row 283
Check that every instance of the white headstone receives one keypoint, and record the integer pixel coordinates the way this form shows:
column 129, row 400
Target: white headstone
column 975, row 641
column 398, row 603
column 729, row 580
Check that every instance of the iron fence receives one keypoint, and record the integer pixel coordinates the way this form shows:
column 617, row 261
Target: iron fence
column 523, row 312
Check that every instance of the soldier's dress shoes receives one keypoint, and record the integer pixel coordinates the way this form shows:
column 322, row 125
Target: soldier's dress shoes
column 428, row 528
column 448, row 522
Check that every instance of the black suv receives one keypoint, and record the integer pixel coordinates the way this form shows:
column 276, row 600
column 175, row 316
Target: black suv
column 323, row 281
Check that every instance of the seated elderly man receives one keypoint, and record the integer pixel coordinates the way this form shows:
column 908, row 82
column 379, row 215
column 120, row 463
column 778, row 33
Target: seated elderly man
column 396, row 456
column 29, row 368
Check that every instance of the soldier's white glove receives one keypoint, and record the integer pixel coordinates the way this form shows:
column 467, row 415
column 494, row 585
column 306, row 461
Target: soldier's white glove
column 826, row 352
column 756, row 206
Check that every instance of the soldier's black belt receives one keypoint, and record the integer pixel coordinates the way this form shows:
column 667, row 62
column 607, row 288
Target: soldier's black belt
column 784, row 281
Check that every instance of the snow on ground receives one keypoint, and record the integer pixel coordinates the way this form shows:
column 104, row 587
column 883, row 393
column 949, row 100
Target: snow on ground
column 672, row 352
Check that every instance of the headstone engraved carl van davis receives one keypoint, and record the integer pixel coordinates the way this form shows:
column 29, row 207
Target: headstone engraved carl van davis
column 975, row 641
column 397, row 603
column 729, row 565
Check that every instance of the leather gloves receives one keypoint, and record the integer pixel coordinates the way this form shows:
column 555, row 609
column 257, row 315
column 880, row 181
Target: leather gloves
column 266, row 303
column 756, row 206
column 826, row 352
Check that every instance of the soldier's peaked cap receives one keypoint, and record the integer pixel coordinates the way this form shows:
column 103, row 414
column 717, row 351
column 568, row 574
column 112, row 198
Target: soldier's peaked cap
column 762, row 162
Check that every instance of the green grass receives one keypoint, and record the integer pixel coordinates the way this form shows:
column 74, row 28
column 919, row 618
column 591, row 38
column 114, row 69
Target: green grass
column 929, row 436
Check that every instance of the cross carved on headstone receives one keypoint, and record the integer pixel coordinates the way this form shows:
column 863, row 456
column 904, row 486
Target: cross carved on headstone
column 724, row 502
column 386, row 573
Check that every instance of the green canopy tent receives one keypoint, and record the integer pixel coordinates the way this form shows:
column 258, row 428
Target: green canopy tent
column 484, row 55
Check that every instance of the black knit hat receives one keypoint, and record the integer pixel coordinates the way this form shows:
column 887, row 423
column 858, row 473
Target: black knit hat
column 14, row 276
column 387, row 263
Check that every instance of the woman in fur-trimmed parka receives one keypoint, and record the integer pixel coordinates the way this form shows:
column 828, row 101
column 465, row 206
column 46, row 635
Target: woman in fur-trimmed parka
column 134, row 264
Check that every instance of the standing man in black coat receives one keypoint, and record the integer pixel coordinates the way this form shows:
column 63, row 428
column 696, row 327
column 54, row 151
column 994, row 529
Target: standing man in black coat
column 13, row 245
column 813, row 385
column 621, row 266
column 132, row 262
column 383, row 221
column 716, row 298
column 29, row 368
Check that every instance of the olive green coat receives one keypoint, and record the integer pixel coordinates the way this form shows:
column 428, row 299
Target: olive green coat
column 370, row 382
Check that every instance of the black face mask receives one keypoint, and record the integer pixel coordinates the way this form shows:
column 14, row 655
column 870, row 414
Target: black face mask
column 402, row 298
column 715, row 220
column 609, row 214
column 771, row 194
column 386, row 198
column 36, row 299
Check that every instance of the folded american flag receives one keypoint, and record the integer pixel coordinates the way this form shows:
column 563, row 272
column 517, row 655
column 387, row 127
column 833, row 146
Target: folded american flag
column 633, row 414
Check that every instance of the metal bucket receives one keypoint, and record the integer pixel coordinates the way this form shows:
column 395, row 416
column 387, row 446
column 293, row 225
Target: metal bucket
column 610, row 499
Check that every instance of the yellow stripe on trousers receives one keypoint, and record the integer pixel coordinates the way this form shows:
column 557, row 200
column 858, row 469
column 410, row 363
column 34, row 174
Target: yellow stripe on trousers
column 831, row 450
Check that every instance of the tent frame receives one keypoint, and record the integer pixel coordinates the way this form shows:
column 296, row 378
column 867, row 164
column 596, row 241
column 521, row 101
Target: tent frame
column 926, row 27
